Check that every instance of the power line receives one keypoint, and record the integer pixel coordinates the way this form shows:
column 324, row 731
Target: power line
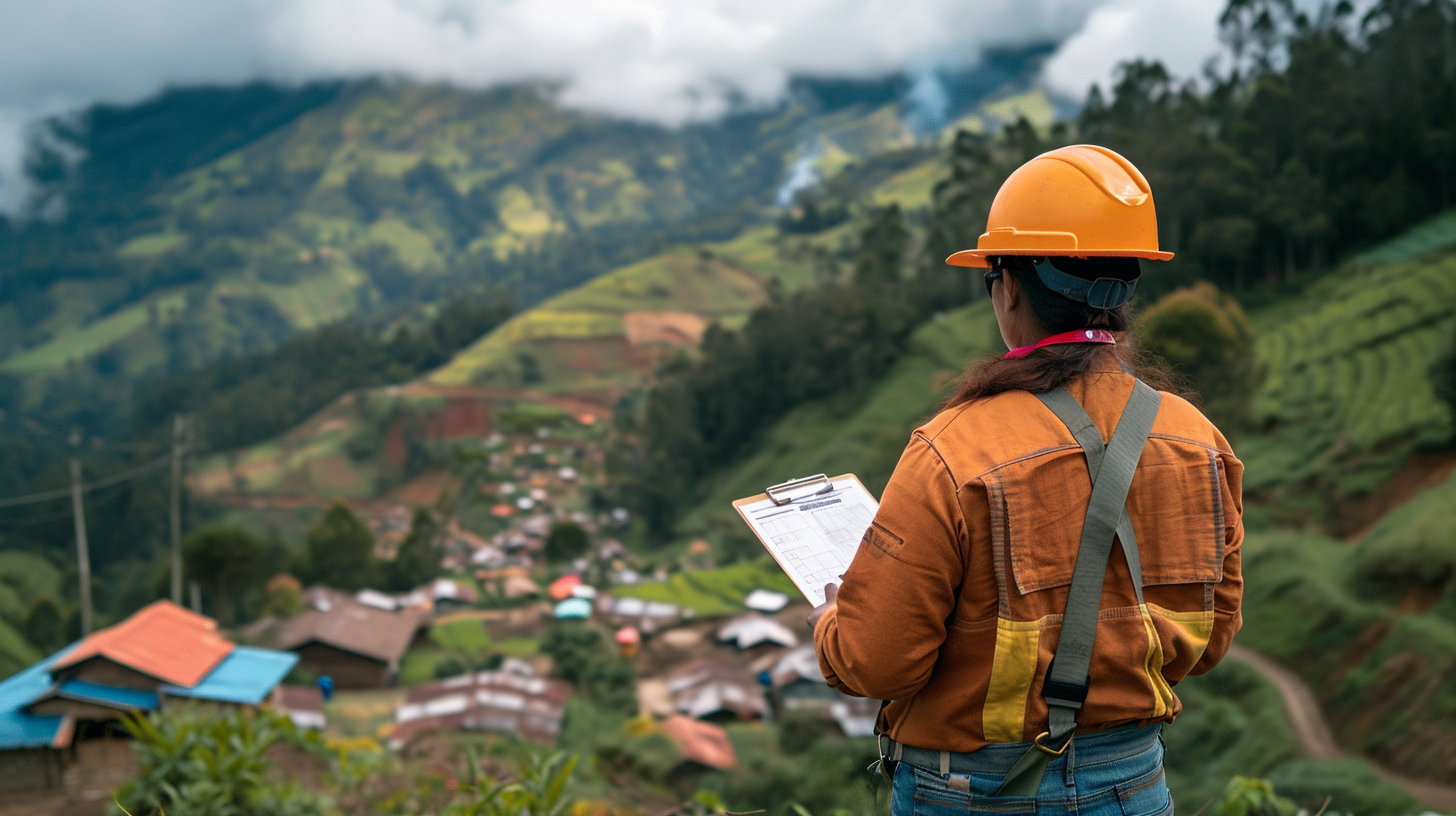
column 18, row 522
column 62, row 492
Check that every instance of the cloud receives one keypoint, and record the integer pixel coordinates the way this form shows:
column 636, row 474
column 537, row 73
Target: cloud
column 1182, row 34
column 667, row 61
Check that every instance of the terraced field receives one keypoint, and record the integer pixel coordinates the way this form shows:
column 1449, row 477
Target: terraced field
column 608, row 334
column 576, row 353
column 1347, row 395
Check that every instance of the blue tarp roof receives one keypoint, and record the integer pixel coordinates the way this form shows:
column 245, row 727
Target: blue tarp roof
column 574, row 608
column 123, row 698
column 245, row 676
column 21, row 730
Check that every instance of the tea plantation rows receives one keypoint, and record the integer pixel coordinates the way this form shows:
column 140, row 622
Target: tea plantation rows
column 1347, row 388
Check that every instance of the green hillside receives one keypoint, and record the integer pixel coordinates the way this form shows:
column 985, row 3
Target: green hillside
column 585, row 348
column 576, row 353
column 1347, row 396
column 356, row 204
column 376, row 200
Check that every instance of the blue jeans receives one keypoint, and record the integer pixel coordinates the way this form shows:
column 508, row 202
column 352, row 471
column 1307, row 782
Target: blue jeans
column 1114, row 773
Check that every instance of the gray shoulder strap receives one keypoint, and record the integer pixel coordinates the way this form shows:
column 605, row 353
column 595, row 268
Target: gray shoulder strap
column 1111, row 468
column 1104, row 511
column 1071, row 413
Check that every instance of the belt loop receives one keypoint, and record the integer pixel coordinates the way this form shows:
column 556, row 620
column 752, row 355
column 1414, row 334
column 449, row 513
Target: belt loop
column 897, row 751
column 1071, row 759
column 944, row 764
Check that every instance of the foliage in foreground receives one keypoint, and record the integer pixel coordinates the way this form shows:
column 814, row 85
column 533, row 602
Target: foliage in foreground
column 194, row 762
column 258, row 763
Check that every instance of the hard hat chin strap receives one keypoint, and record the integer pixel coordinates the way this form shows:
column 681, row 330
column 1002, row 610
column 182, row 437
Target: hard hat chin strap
column 1102, row 293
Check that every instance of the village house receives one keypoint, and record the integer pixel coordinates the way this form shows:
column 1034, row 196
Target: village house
column 766, row 600
column 356, row 645
column 712, row 689
column 645, row 615
column 502, row 702
column 60, row 718
column 799, row 685
column 753, row 629
column 439, row 595
column 508, row 582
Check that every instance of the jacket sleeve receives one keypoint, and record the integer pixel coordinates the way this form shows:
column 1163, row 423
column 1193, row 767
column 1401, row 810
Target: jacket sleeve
column 1228, row 593
column 884, row 634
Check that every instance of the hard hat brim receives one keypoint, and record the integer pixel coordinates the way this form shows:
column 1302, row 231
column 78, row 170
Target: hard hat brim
column 978, row 257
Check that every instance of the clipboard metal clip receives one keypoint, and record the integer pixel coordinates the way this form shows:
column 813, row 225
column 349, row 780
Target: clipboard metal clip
column 786, row 492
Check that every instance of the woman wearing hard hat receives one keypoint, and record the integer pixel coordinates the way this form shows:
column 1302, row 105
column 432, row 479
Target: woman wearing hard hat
column 1059, row 546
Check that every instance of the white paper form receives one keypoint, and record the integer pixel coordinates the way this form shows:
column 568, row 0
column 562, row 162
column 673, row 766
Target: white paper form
column 814, row 537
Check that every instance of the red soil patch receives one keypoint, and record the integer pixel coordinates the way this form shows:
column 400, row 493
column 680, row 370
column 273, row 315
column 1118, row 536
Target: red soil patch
column 460, row 419
column 396, row 449
column 464, row 417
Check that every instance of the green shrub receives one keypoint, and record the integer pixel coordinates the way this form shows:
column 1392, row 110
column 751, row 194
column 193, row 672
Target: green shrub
column 1204, row 334
column 283, row 596
column 341, row 549
column 197, row 762
column 418, row 558
column 539, row 790
column 566, row 542
column 1253, row 797
column 584, row 657
column 449, row 667
column 231, row 565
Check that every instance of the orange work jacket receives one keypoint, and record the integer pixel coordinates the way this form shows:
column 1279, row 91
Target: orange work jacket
column 952, row 606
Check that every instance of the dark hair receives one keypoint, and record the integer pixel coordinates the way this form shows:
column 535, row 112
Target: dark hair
column 1051, row 366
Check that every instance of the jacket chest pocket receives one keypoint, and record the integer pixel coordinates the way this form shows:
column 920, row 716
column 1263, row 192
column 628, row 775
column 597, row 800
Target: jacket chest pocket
column 1175, row 505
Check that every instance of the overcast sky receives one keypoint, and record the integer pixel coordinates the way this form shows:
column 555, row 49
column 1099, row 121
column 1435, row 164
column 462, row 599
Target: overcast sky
column 663, row 60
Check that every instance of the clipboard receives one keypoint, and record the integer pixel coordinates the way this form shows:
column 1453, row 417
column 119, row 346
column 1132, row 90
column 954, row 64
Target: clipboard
column 812, row 527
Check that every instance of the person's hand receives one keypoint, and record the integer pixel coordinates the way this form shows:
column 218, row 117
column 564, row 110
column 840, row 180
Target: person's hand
column 831, row 591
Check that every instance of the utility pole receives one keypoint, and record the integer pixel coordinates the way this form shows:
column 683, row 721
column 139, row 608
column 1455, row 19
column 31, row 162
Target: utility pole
column 83, row 555
column 179, row 444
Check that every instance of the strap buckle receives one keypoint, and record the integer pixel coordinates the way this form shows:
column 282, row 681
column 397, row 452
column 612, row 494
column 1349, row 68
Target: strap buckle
column 1071, row 695
column 1045, row 750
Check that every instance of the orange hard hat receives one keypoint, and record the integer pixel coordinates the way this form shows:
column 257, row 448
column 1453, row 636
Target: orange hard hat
column 1083, row 201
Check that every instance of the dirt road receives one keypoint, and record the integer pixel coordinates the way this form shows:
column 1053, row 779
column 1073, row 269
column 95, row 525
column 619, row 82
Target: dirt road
column 1314, row 733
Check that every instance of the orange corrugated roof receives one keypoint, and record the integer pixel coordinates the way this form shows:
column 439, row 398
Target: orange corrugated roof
column 162, row 640
column 700, row 741
column 560, row 589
